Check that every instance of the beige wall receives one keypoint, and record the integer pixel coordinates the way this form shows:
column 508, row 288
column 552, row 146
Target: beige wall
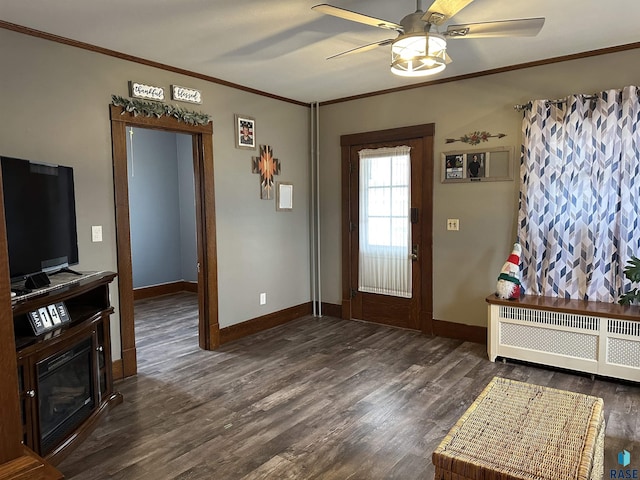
column 466, row 263
column 55, row 109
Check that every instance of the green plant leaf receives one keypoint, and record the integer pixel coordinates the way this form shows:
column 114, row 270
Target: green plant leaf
column 632, row 296
column 632, row 270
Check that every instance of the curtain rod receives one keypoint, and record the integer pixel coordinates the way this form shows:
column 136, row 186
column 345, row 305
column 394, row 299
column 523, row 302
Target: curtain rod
column 559, row 101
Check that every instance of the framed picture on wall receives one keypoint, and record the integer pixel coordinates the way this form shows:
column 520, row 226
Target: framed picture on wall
column 476, row 163
column 245, row 130
column 454, row 166
column 492, row 164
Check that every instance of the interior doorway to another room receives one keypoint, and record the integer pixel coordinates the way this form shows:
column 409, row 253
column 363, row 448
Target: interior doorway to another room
column 162, row 215
column 201, row 144
column 162, row 223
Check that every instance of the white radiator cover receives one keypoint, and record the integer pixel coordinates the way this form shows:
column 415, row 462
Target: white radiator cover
column 592, row 344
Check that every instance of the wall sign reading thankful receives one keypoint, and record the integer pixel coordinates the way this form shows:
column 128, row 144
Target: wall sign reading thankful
column 184, row 94
column 140, row 90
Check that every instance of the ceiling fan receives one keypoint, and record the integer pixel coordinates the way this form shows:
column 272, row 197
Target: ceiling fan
column 419, row 51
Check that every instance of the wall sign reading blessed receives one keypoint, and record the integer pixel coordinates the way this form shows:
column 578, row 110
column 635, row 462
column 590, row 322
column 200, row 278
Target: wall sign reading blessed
column 184, row 94
column 140, row 90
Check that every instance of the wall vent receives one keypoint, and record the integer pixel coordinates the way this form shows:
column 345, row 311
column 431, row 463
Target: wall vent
column 624, row 327
column 546, row 317
column 579, row 345
column 623, row 352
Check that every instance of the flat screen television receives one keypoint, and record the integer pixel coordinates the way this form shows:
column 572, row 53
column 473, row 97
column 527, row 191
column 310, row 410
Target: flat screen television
column 40, row 213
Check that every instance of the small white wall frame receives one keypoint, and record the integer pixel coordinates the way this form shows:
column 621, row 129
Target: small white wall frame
column 284, row 196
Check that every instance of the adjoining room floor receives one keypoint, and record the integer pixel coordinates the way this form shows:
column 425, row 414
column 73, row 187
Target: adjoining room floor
column 317, row 398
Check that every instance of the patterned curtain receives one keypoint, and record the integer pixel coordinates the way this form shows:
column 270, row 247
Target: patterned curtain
column 580, row 195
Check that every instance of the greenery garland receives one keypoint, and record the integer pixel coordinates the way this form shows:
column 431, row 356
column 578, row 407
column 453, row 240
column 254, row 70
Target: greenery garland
column 158, row 109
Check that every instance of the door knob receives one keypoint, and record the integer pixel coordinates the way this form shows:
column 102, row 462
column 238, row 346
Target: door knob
column 414, row 252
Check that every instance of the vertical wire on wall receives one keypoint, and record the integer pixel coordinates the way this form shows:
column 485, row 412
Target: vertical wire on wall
column 315, row 210
column 317, row 136
column 312, row 205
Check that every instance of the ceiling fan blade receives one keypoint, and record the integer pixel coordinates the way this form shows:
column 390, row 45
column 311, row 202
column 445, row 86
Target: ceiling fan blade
column 356, row 17
column 442, row 10
column 363, row 48
column 528, row 27
column 447, row 58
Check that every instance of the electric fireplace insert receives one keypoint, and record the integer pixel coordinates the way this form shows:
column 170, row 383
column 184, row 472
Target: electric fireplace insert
column 66, row 393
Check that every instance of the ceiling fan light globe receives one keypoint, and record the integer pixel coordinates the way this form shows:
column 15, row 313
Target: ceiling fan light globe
column 420, row 68
column 410, row 46
column 418, row 55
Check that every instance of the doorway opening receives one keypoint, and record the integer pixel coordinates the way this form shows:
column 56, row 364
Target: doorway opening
column 163, row 239
column 162, row 212
column 202, row 148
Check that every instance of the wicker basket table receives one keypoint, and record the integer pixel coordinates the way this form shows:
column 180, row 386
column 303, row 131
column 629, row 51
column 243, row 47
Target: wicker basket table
column 516, row 431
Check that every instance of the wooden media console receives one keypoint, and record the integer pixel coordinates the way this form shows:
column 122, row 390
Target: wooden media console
column 64, row 374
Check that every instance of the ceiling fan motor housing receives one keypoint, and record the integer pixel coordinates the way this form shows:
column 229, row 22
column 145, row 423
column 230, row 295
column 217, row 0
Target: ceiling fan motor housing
column 413, row 23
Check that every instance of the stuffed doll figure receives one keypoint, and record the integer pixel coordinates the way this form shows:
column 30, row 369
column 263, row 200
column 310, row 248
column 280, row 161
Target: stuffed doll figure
column 508, row 286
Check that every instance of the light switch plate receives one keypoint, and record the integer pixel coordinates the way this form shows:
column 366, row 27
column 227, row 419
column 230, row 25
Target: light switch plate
column 453, row 224
column 96, row 233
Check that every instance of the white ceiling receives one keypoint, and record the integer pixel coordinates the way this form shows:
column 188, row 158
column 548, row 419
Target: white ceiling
column 279, row 46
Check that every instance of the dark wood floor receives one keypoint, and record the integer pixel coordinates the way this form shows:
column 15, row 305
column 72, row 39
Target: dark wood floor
column 312, row 399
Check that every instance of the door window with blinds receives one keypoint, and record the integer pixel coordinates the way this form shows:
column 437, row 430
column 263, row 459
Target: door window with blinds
column 384, row 265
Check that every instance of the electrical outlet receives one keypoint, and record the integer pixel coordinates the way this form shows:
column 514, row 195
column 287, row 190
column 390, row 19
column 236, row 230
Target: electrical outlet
column 263, row 299
column 453, row 224
column 96, row 233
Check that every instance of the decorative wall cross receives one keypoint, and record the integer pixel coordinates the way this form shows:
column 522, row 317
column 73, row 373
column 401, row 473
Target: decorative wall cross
column 267, row 167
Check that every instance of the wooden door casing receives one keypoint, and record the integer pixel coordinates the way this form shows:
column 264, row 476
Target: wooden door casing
column 423, row 135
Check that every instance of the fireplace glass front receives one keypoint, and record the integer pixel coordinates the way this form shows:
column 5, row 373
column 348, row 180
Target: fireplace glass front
column 65, row 393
